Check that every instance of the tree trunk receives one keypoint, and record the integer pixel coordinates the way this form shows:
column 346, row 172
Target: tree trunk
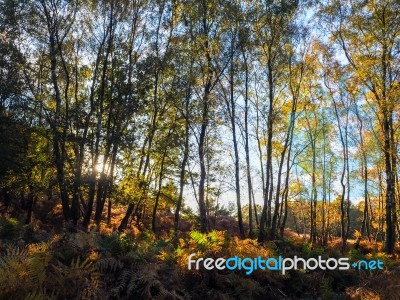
column 161, row 176
column 184, row 160
column 286, row 189
column 58, row 143
column 267, row 198
column 204, row 120
column 343, row 213
column 246, row 146
column 390, row 203
column 232, row 112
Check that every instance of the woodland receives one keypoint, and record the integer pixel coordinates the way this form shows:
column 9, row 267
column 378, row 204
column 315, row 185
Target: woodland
column 134, row 133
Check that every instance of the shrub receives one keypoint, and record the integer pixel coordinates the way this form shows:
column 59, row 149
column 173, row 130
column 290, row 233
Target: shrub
column 208, row 242
column 115, row 243
column 354, row 254
column 10, row 229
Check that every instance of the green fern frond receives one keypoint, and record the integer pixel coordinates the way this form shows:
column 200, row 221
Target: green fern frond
column 326, row 288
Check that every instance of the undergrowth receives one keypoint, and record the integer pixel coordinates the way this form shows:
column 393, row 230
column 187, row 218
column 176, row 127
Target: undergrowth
column 97, row 265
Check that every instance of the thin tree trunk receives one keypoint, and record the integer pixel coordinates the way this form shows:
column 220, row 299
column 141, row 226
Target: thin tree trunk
column 255, row 208
column 232, row 114
column 246, row 146
column 260, row 153
column 204, row 121
column 157, row 199
column 390, row 203
column 286, row 189
column 323, row 233
column 31, row 200
column 313, row 233
column 288, row 141
column 160, row 180
column 100, row 110
column 347, row 176
column 265, row 216
column 342, row 203
column 58, row 143
column 184, row 160
column 366, row 219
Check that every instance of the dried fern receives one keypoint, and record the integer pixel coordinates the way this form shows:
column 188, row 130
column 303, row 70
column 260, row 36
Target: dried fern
column 34, row 296
column 108, row 264
column 22, row 273
column 147, row 284
column 81, row 279
column 123, row 280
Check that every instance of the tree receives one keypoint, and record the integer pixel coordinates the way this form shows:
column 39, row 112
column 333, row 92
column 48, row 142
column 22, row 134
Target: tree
column 231, row 99
column 367, row 33
column 274, row 31
column 203, row 22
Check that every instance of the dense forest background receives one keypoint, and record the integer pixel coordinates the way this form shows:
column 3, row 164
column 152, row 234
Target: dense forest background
column 134, row 133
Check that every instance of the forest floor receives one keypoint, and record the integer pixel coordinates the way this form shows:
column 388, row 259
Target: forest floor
column 44, row 261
